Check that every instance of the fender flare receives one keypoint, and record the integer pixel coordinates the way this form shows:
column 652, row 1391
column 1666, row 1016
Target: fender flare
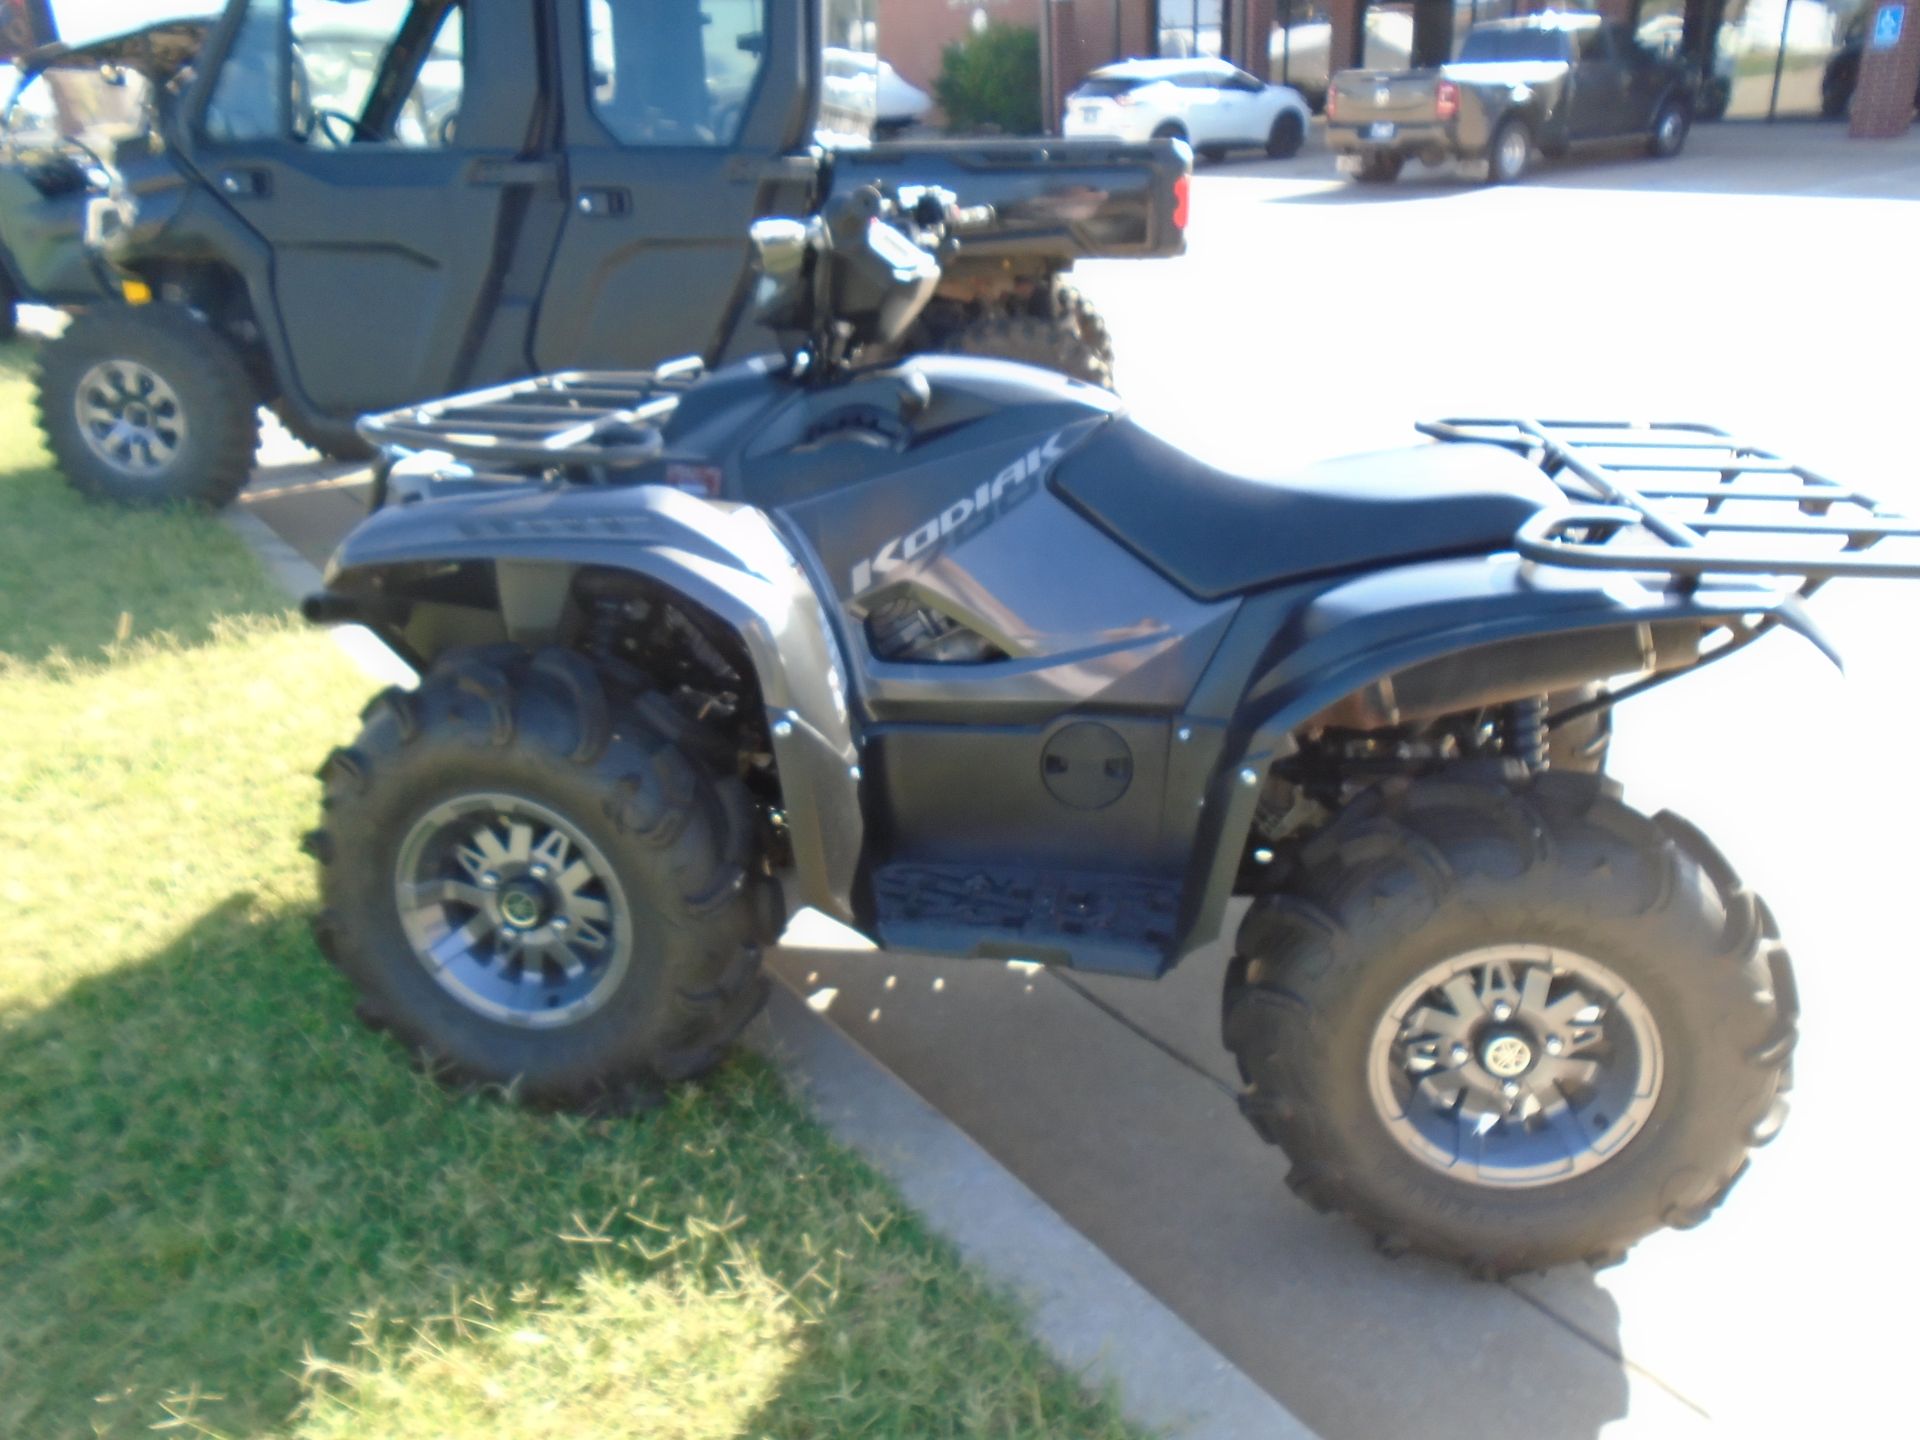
column 1367, row 630
column 728, row 561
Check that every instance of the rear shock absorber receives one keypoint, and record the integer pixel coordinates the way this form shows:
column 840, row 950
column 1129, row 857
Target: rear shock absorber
column 1524, row 729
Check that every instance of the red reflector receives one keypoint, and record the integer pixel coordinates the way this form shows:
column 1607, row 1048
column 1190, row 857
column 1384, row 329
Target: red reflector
column 1446, row 100
column 1180, row 203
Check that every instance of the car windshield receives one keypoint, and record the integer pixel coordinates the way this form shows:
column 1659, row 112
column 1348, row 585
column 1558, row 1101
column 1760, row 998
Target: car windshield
column 1518, row 44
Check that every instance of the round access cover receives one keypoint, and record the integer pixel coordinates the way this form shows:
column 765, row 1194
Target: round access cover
column 1086, row 765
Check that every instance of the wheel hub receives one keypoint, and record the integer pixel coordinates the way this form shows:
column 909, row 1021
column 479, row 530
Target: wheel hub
column 1515, row 1065
column 513, row 910
column 1506, row 1053
column 130, row 417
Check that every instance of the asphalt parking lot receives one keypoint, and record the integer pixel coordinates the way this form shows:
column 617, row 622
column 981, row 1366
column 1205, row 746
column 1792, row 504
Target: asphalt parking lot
column 1764, row 281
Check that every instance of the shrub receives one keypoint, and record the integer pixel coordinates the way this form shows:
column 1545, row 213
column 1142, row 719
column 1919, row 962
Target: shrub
column 991, row 80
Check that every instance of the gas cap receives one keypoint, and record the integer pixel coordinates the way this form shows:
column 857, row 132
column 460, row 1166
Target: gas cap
column 1086, row 766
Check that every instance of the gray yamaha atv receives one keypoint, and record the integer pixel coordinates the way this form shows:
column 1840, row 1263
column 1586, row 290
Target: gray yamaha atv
column 958, row 653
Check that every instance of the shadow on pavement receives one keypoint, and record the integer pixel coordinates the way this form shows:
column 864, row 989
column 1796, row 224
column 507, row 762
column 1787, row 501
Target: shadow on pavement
column 1114, row 1102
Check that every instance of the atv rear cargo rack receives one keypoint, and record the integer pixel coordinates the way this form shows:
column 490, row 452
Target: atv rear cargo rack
column 609, row 418
column 1689, row 500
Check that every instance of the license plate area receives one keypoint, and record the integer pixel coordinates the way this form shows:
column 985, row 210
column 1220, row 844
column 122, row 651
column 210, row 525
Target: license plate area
column 1089, row 112
column 1382, row 130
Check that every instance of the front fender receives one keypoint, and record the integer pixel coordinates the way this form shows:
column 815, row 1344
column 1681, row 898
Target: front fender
column 725, row 559
column 1322, row 649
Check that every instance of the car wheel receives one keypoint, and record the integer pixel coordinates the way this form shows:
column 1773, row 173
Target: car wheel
column 1669, row 131
column 148, row 406
column 1510, row 152
column 1170, row 130
column 1283, row 141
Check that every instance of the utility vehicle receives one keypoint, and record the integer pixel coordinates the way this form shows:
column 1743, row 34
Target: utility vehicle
column 335, row 206
column 959, row 653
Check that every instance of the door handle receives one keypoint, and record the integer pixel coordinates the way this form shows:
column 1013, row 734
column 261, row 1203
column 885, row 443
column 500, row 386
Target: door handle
column 245, row 183
column 602, row 202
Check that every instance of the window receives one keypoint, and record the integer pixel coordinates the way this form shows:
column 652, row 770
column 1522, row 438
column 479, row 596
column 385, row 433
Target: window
column 674, row 72
column 1591, row 44
column 338, row 73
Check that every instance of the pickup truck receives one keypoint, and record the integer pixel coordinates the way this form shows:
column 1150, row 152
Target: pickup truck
column 1542, row 81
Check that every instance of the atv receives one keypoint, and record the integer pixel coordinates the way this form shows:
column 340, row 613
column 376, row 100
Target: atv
column 330, row 207
column 957, row 652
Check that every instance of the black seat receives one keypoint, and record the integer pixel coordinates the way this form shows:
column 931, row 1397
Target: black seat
column 1215, row 533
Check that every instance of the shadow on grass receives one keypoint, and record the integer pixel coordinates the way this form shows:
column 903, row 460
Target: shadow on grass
column 208, row 1167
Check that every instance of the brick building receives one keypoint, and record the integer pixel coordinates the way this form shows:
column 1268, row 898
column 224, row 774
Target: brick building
column 1759, row 59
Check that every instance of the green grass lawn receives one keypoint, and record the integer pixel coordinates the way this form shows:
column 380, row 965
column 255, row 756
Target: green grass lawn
column 227, row 1210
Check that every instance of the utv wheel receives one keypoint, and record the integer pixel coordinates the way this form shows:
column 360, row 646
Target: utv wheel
column 528, row 881
column 1051, row 343
column 1510, row 153
column 1379, row 169
column 1511, row 1024
column 146, row 405
column 1669, row 131
column 1284, row 140
column 336, row 440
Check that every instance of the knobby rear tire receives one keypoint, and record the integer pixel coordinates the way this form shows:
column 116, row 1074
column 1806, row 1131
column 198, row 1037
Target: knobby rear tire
column 1442, row 867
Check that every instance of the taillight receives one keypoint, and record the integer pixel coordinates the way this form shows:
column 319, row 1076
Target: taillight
column 1180, row 203
column 1446, row 100
column 1333, row 103
column 1126, row 97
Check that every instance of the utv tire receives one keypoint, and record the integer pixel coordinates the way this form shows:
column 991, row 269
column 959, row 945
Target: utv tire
column 1379, row 169
column 1055, row 343
column 1506, row 885
column 1510, row 153
column 148, row 406
column 442, row 914
column 1286, row 137
column 9, row 306
column 337, row 440
column 1669, row 132
column 1063, row 302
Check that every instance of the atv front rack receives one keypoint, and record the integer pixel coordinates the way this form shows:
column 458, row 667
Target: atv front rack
column 609, row 418
column 1687, row 501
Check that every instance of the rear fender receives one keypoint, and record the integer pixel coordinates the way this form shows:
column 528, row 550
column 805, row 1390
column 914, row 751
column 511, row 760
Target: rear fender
column 726, row 560
column 1448, row 627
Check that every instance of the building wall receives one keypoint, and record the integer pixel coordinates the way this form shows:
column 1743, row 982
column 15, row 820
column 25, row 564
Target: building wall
column 912, row 33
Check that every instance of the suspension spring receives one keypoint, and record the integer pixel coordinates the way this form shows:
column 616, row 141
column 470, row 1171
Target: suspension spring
column 1525, row 731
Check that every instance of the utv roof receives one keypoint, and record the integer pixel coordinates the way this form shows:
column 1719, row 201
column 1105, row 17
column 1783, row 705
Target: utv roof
column 156, row 49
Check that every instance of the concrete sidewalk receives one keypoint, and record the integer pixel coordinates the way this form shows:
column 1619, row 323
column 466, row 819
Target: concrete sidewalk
column 1738, row 285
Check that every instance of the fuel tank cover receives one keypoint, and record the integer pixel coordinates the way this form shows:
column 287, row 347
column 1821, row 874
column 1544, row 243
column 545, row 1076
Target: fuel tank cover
column 1086, row 766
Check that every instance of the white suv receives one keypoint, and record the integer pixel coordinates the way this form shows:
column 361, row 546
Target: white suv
column 1213, row 106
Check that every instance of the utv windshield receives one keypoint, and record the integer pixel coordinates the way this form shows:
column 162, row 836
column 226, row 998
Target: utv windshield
column 1500, row 46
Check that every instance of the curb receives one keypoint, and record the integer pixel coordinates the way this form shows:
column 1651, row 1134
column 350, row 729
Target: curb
column 1092, row 1317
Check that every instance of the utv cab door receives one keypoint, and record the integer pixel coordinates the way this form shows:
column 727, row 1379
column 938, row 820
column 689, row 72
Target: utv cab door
column 685, row 120
column 375, row 147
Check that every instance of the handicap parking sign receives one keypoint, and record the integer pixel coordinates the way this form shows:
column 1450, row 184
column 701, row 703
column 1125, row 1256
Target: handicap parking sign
column 1887, row 25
